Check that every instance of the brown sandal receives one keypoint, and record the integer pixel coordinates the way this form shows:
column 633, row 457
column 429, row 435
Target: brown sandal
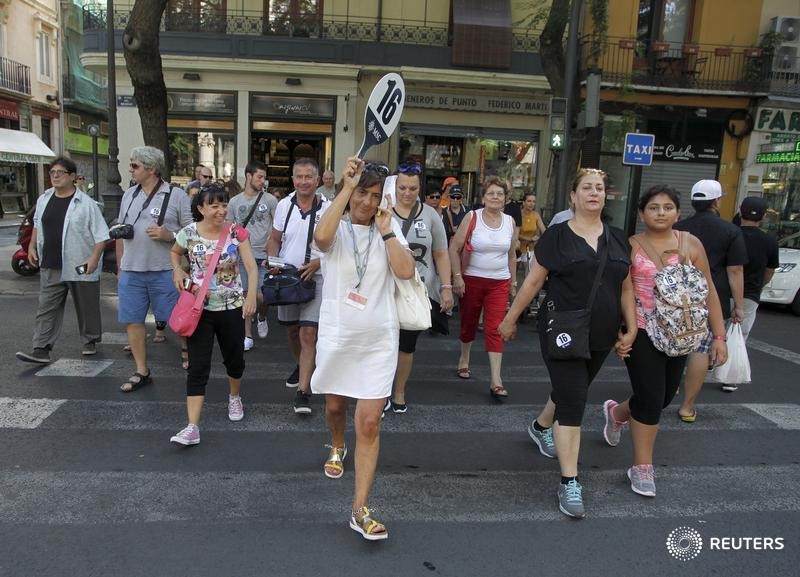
column 136, row 381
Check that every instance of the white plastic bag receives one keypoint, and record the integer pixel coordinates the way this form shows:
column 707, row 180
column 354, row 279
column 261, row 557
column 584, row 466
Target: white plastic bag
column 737, row 369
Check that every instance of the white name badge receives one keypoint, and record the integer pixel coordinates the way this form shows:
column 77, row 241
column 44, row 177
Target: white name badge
column 199, row 249
column 155, row 212
column 262, row 208
column 355, row 299
column 419, row 225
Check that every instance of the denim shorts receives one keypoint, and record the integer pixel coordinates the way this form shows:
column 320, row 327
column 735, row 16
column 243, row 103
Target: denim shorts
column 261, row 272
column 138, row 291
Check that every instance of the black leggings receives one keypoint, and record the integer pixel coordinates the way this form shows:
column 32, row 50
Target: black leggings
column 228, row 327
column 655, row 378
column 570, row 381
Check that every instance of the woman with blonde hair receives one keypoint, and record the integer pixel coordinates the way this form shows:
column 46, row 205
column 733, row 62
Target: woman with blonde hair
column 489, row 237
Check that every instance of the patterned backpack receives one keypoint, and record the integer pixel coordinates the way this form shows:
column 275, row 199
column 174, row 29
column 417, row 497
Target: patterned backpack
column 679, row 321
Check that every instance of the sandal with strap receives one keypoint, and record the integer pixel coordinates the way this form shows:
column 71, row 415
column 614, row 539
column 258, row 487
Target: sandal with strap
column 185, row 359
column 362, row 522
column 334, row 466
column 136, row 381
column 464, row 373
column 498, row 391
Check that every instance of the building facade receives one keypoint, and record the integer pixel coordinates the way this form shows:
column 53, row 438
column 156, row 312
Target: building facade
column 29, row 98
column 278, row 80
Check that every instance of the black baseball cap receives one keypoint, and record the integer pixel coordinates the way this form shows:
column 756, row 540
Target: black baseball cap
column 753, row 208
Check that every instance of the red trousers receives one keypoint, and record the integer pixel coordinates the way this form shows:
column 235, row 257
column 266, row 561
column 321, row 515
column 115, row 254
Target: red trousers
column 490, row 295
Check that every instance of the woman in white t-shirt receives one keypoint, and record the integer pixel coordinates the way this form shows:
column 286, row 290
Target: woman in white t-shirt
column 362, row 247
column 489, row 237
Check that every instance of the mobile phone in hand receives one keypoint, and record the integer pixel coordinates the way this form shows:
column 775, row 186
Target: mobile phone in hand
column 82, row 268
column 187, row 283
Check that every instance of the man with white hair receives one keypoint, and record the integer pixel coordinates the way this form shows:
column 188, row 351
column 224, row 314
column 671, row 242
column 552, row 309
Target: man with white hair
column 328, row 188
column 152, row 209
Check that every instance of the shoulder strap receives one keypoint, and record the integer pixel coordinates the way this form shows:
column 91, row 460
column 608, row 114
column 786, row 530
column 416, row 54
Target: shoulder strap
column 649, row 250
column 471, row 228
column 135, row 194
column 313, row 217
column 600, row 269
column 253, row 209
column 162, row 215
column 288, row 214
column 683, row 246
column 200, row 298
column 450, row 218
column 407, row 222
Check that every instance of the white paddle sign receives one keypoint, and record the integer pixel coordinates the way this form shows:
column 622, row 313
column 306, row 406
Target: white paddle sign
column 384, row 108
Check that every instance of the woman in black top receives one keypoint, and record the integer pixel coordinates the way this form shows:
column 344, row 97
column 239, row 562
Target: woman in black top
column 568, row 254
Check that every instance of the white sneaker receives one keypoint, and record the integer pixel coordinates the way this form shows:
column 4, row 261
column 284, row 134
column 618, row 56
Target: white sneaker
column 235, row 409
column 248, row 343
column 263, row 328
column 190, row 435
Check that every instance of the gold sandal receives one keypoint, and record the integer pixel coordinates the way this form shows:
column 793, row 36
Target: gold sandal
column 369, row 528
column 334, row 466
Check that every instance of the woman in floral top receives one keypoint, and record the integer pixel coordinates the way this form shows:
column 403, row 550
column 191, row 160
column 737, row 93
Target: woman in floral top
column 226, row 307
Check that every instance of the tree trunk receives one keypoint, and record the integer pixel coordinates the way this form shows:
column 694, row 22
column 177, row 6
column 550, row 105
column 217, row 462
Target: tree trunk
column 143, row 60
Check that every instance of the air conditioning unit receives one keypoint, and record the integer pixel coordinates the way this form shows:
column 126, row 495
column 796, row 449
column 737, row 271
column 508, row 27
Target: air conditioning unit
column 788, row 27
column 786, row 59
column 74, row 121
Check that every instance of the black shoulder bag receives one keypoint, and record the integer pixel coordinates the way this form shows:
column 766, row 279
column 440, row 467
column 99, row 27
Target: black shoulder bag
column 287, row 287
column 253, row 209
column 567, row 332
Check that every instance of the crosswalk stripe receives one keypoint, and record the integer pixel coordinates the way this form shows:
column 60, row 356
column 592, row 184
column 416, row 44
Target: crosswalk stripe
column 456, row 496
column 779, row 352
column 274, row 417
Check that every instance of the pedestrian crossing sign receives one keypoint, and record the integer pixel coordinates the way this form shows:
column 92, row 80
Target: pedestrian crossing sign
column 557, row 140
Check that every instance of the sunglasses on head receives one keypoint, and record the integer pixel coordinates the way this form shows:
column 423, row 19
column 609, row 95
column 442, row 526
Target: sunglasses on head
column 378, row 168
column 409, row 168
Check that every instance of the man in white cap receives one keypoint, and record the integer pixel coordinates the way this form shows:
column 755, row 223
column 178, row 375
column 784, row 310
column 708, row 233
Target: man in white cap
column 727, row 255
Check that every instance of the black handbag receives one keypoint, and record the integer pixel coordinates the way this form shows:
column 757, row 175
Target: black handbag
column 567, row 332
column 287, row 288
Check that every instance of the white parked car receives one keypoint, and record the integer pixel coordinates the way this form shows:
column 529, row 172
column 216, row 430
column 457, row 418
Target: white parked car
column 784, row 288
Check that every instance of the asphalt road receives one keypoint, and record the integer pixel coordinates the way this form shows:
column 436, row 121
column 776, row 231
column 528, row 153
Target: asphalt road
column 90, row 485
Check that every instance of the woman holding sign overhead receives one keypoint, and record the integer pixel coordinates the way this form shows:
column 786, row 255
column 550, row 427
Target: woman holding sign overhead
column 359, row 333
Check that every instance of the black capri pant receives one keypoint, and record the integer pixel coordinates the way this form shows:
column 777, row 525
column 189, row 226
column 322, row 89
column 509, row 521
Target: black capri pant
column 228, row 327
column 655, row 379
column 408, row 341
column 570, row 382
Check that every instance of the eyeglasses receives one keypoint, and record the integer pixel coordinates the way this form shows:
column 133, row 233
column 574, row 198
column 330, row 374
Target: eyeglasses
column 434, row 196
column 409, row 168
column 57, row 172
column 135, row 166
column 378, row 168
column 456, row 196
column 206, row 176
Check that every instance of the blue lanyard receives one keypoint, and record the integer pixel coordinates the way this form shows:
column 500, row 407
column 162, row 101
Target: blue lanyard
column 361, row 261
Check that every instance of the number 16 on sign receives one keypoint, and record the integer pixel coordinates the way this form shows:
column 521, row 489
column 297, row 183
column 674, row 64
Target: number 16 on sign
column 384, row 108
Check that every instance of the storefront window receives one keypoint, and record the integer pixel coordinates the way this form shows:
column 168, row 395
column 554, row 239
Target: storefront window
column 214, row 150
column 781, row 188
column 471, row 159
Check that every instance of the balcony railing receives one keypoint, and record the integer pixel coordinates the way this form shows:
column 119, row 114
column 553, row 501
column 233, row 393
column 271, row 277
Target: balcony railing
column 692, row 67
column 329, row 26
column 15, row 76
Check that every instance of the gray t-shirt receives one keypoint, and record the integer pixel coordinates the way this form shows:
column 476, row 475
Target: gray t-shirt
column 185, row 212
column 328, row 193
column 141, row 253
column 260, row 224
column 425, row 235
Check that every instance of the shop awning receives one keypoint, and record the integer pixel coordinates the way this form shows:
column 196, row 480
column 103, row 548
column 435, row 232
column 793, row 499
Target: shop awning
column 18, row 146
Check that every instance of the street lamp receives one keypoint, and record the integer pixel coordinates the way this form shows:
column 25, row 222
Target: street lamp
column 94, row 132
column 113, row 194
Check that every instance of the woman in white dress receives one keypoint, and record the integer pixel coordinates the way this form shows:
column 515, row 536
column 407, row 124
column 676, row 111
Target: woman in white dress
column 358, row 327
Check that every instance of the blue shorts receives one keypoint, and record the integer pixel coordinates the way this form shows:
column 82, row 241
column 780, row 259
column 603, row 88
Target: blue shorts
column 138, row 291
column 261, row 272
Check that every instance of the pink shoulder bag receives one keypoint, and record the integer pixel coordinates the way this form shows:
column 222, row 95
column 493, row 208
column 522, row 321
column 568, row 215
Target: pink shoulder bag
column 186, row 314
